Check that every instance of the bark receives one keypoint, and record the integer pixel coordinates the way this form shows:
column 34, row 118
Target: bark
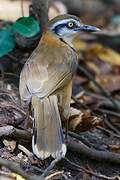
column 40, row 11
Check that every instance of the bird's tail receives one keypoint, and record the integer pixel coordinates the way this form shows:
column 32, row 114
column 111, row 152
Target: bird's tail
column 47, row 134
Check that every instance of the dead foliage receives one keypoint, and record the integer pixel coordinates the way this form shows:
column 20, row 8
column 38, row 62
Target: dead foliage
column 94, row 124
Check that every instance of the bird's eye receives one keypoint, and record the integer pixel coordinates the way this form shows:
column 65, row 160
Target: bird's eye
column 70, row 25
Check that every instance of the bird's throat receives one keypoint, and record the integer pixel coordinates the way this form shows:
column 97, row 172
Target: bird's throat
column 68, row 41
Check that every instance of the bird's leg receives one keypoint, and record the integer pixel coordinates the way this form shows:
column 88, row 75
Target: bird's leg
column 51, row 166
column 27, row 119
column 66, row 129
column 2, row 79
column 65, row 105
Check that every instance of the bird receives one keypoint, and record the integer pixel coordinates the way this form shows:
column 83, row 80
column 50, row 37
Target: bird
column 46, row 84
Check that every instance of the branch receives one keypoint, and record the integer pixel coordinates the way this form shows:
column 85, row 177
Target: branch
column 14, row 167
column 40, row 11
column 108, row 122
column 12, row 132
column 108, row 131
column 79, row 147
column 103, row 91
column 50, row 167
column 79, row 168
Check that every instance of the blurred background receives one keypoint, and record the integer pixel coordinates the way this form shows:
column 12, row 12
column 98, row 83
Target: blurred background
column 99, row 11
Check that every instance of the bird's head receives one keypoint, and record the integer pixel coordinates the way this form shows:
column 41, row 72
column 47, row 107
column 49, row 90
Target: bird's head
column 66, row 26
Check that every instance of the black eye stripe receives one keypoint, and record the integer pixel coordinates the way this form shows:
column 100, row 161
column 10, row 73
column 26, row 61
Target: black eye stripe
column 58, row 27
column 65, row 25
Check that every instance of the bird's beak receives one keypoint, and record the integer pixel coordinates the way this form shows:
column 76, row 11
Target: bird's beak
column 87, row 28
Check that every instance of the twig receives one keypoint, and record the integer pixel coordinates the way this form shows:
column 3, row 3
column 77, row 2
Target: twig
column 14, row 167
column 109, row 124
column 16, row 108
column 12, row 132
column 14, row 59
column 77, row 136
column 81, row 104
column 117, row 114
column 107, row 131
column 9, row 96
column 22, row 8
column 104, row 92
column 8, row 175
column 97, row 96
column 79, row 147
column 36, row 168
column 105, row 102
column 29, row 154
column 47, row 170
column 26, row 151
column 79, row 168
column 17, row 169
column 11, row 74
column 53, row 175
column 40, row 11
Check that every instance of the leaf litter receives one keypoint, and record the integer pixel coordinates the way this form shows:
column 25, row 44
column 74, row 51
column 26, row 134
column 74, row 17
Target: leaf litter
column 94, row 121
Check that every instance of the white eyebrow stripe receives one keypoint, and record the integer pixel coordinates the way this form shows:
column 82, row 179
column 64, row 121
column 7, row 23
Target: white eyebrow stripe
column 64, row 21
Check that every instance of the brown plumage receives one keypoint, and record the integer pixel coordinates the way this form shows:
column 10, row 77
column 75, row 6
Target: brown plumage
column 46, row 83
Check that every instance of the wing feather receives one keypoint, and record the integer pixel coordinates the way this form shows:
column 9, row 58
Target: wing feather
column 41, row 76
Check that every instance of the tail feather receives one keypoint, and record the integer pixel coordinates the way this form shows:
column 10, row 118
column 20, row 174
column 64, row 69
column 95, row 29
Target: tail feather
column 48, row 136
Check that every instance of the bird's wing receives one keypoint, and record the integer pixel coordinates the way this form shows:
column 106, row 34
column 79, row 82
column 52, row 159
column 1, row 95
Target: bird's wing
column 42, row 77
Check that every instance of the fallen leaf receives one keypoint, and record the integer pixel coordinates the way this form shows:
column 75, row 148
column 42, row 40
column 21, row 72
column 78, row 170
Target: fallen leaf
column 75, row 118
column 109, row 82
column 105, row 54
column 22, row 157
column 17, row 176
column 83, row 121
column 10, row 145
column 114, row 148
column 86, row 176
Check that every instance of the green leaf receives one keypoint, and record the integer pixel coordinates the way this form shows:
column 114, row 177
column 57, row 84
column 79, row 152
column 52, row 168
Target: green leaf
column 7, row 41
column 115, row 20
column 26, row 26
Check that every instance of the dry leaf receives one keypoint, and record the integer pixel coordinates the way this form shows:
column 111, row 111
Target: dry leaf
column 74, row 112
column 79, row 80
column 110, row 82
column 104, row 53
column 10, row 145
column 75, row 118
column 10, row 176
column 22, row 157
column 83, row 122
column 94, row 67
column 115, row 148
column 86, row 176
column 17, row 176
